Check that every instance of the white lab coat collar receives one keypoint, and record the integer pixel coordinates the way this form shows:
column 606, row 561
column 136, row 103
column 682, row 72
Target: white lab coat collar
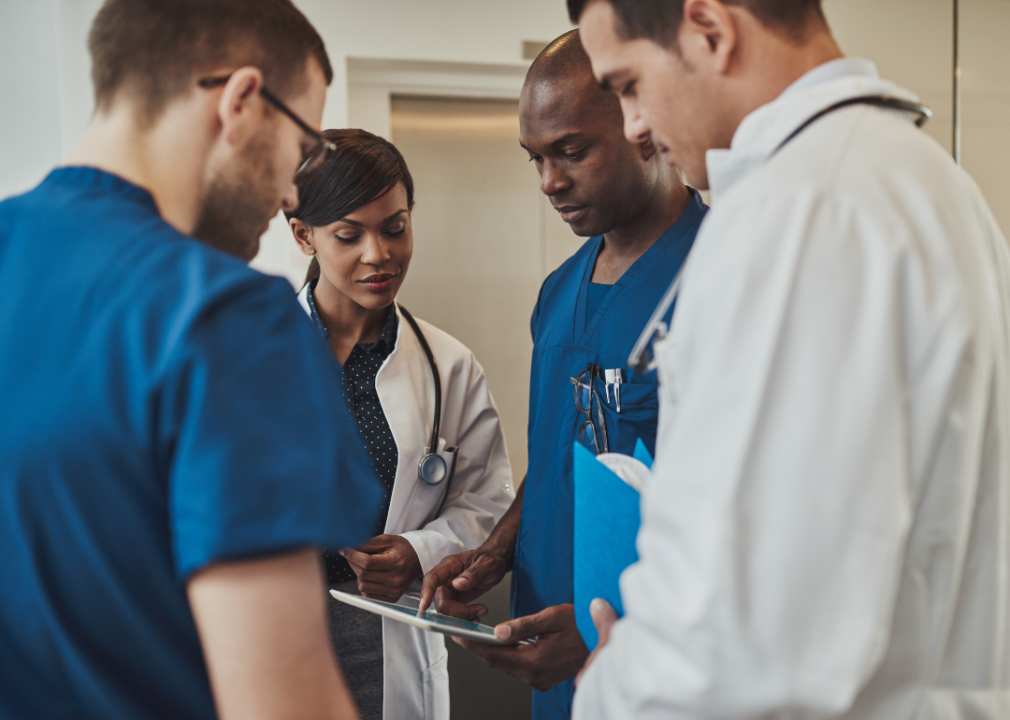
column 762, row 132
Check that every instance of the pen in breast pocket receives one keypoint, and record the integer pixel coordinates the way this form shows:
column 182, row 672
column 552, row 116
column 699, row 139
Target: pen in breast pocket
column 614, row 377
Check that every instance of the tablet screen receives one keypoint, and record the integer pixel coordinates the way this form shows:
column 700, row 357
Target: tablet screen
column 439, row 619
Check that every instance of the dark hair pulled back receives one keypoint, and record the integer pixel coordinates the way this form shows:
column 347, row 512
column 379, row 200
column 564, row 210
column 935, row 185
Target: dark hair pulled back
column 363, row 168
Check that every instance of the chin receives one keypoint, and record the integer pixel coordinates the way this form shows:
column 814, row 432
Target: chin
column 588, row 227
column 373, row 301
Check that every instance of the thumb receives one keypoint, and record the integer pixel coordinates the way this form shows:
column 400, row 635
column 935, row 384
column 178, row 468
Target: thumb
column 530, row 626
column 604, row 616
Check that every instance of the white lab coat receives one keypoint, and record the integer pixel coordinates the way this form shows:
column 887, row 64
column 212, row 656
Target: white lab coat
column 416, row 680
column 826, row 531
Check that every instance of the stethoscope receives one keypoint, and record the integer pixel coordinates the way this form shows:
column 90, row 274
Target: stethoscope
column 432, row 469
column 656, row 329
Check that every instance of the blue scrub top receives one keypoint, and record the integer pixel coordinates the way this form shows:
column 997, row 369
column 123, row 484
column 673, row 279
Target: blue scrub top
column 565, row 340
column 164, row 407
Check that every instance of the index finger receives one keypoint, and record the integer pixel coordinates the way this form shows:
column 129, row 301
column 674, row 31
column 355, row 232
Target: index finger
column 438, row 576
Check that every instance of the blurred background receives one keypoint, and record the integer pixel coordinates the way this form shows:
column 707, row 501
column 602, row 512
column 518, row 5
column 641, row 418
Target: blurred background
column 441, row 79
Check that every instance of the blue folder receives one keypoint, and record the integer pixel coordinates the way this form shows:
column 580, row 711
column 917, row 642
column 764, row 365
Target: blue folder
column 607, row 518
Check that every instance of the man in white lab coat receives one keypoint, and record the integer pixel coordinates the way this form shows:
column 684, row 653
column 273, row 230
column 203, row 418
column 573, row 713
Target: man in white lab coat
column 827, row 532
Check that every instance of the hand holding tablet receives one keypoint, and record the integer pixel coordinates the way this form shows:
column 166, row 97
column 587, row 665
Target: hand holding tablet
column 427, row 620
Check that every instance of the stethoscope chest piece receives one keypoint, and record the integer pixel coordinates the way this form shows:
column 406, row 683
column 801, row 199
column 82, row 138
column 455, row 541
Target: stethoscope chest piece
column 432, row 469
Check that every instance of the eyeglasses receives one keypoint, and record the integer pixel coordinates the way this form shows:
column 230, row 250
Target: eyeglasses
column 315, row 157
column 592, row 433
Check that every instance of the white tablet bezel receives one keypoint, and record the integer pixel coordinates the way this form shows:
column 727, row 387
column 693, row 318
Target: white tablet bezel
column 391, row 611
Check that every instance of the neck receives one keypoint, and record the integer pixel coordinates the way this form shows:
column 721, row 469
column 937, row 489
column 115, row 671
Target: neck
column 347, row 322
column 166, row 159
column 766, row 64
column 623, row 245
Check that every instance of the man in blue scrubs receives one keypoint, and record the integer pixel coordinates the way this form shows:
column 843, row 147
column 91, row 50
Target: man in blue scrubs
column 175, row 447
column 642, row 221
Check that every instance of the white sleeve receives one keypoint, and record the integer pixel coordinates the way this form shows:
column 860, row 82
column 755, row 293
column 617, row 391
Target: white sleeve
column 774, row 525
column 482, row 487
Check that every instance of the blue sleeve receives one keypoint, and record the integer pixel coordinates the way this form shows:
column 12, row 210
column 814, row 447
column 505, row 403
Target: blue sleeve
column 262, row 453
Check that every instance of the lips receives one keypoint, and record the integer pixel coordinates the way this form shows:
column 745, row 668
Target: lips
column 571, row 213
column 379, row 282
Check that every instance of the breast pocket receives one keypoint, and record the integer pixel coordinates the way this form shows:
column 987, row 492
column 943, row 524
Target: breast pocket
column 637, row 419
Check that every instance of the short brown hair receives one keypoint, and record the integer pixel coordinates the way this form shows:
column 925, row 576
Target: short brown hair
column 659, row 20
column 156, row 49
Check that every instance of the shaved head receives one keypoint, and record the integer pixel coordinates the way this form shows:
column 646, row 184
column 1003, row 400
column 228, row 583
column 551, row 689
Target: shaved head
column 564, row 63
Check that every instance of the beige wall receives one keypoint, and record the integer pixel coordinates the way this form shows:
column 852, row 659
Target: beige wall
column 985, row 100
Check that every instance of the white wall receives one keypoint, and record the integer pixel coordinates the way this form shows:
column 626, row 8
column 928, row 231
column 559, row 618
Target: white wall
column 45, row 84
column 44, row 69
column 464, row 31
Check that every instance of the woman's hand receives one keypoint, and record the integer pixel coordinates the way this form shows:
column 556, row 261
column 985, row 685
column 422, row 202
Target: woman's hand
column 385, row 565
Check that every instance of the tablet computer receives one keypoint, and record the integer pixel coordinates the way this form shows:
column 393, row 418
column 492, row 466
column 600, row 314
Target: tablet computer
column 428, row 620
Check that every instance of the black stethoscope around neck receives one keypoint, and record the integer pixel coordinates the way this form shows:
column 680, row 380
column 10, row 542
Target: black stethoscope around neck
column 432, row 468
column 642, row 360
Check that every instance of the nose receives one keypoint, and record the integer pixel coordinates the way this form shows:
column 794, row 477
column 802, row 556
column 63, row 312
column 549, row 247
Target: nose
column 635, row 129
column 553, row 179
column 289, row 200
column 374, row 251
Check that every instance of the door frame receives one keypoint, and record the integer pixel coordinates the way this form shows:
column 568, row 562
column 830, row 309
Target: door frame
column 372, row 82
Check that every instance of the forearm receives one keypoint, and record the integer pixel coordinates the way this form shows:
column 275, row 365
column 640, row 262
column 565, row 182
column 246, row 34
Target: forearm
column 502, row 540
column 263, row 629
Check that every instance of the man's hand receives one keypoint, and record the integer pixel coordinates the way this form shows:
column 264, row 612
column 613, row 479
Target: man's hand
column 557, row 654
column 604, row 617
column 458, row 579
column 385, row 565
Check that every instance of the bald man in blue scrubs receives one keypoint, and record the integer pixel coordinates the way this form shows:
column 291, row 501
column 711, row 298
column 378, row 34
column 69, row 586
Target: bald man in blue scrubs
column 641, row 221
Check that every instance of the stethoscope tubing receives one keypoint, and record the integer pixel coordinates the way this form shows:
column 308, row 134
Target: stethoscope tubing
column 432, row 468
column 435, row 378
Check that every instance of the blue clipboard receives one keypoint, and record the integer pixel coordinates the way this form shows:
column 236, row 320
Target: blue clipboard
column 607, row 518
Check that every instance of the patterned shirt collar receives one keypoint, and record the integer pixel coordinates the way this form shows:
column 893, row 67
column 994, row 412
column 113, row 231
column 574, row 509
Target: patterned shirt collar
column 387, row 336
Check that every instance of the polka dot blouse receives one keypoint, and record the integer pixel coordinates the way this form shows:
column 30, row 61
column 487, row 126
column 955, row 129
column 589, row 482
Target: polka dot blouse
column 358, row 376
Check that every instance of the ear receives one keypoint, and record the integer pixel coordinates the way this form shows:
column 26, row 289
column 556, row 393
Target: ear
column 303, row 236
column 240, row 109
column 708, row 36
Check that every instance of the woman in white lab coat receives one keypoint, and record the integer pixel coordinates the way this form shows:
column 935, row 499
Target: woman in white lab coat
column 354, row 218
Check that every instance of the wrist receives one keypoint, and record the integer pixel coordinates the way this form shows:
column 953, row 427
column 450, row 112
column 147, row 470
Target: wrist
column 500, row 547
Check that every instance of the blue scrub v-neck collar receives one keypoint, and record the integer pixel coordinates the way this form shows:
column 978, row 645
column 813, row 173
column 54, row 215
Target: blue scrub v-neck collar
column 584, row 327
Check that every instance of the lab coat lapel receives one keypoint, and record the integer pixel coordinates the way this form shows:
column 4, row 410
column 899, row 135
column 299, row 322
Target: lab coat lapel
column 407, row 394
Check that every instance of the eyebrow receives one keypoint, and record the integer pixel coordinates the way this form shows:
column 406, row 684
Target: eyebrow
column 567, row 138
column 355, row 223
